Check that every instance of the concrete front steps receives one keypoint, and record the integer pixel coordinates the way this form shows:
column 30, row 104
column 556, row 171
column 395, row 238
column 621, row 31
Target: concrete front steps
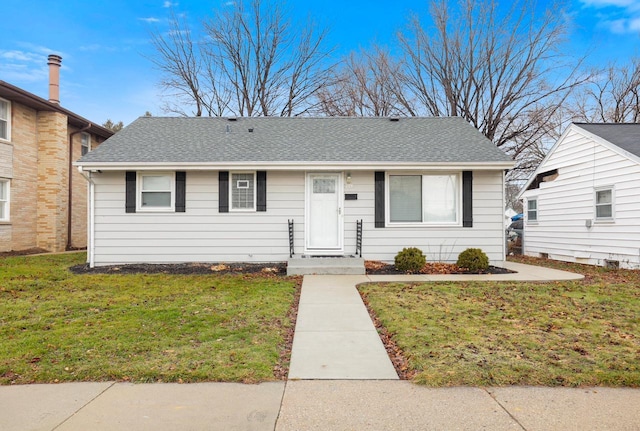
column 307, row 265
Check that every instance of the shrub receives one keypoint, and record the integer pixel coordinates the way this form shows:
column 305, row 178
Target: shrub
column 410, row 260
column 473, row 259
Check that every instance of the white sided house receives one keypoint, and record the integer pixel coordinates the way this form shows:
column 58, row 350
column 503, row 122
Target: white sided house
column 171, row 190
column 581, row 204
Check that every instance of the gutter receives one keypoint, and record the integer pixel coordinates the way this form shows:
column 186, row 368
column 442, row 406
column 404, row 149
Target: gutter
column 91, row 225
column 70, row 196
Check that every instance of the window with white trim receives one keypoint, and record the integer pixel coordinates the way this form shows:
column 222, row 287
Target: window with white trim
column 424, row 198
column 156, row 191
column 85, row 142
column 604, row 203
column 243, row 191
column 5, row 120
column 4, row 200
column 532, row 210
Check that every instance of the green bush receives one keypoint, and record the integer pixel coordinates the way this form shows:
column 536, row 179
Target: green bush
column 410, row 260
column 473, row 259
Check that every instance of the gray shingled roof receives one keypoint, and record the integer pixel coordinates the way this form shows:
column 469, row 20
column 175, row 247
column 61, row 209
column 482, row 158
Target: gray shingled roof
column 625, row 136
column 305, row 140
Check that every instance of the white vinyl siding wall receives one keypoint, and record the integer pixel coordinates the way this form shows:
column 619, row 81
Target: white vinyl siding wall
column 201, row 234
column 566, row 205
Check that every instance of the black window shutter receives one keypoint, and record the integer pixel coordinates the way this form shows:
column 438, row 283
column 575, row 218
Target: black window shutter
column 181, row 183
column 130, row 192
column 379, row 199
column 223, row 191
column 467, row 198
column 261, row 192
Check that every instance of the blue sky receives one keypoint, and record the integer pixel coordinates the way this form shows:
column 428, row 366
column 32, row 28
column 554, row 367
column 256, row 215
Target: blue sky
column 105, row 73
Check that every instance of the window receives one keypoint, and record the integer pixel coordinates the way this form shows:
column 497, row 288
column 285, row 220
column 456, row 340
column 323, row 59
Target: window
column 243, row 191
column 86, row 143
column 4, row 200
column 532, row 210
column 604, row 204
column 156, row 191
column 5, row 120
column 424, row 198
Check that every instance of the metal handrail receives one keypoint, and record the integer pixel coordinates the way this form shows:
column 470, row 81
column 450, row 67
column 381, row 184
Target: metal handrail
column 291, row 253
column 359, row 238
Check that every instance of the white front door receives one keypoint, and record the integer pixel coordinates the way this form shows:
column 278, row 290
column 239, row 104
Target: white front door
column 324, row 213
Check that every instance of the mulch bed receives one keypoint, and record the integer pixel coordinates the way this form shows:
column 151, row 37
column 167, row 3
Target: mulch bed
column 374, row 267
column 279, row 268
column 23, row 252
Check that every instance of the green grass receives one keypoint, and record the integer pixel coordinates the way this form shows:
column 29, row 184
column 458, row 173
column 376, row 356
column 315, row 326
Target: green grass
column 488, row 334
column 56, row 326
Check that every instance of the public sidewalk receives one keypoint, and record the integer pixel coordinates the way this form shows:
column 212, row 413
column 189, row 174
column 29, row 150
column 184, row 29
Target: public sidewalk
column 313, row 405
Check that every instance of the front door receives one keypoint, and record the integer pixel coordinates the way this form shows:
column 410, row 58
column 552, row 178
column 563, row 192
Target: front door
column 324, row 213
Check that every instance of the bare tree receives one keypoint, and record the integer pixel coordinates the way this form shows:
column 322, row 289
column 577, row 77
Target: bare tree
column 613, row 96
column 505, row 73
column 250, row 61
column 367, row 84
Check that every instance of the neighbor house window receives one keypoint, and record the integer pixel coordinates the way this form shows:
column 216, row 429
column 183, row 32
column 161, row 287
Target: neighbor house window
column 5, row 120
column 424, row 198
column 604, row 203
column 243, row 191
column 86, row 143
column 532, row 210
column 156, row 191
column 4, row 200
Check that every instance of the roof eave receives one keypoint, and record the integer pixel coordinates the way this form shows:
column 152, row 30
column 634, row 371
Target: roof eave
column 355, row 166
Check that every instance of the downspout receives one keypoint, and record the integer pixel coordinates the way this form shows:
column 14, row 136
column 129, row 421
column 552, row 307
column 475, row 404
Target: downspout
column 70, row 197
column 92, row 225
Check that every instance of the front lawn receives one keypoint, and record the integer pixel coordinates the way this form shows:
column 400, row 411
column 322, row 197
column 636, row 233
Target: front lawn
column 487, row 334
column 56, row 326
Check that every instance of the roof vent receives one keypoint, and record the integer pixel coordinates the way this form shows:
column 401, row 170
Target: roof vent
column 394, row 119
column 232, row 119
column 251, row 130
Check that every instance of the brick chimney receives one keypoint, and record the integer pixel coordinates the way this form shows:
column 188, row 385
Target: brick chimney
column 54, row 62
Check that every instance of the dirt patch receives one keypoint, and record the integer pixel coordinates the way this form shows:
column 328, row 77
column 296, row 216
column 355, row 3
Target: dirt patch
column 375, row 267
column 281, row 370
column 23, row 252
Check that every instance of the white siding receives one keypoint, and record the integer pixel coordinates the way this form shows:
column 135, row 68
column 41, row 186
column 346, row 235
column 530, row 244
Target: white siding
column 201, row 234
column 567, row 204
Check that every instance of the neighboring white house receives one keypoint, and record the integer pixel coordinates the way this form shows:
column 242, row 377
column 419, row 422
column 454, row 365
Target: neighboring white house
column 582, row 204
column 168, row 190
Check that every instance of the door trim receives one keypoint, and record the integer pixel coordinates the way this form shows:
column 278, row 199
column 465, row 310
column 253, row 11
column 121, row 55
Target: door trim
column 339, row 250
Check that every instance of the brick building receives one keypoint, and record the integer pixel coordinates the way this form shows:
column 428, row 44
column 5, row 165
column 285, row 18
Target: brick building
column 43, row 199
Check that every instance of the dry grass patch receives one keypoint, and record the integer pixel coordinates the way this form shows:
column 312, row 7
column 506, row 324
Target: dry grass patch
column 485, row 334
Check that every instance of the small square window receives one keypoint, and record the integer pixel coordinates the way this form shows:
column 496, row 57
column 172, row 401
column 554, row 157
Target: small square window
column 532, row 210
column 156, row 191
column 604, row 204
column 4, row 200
